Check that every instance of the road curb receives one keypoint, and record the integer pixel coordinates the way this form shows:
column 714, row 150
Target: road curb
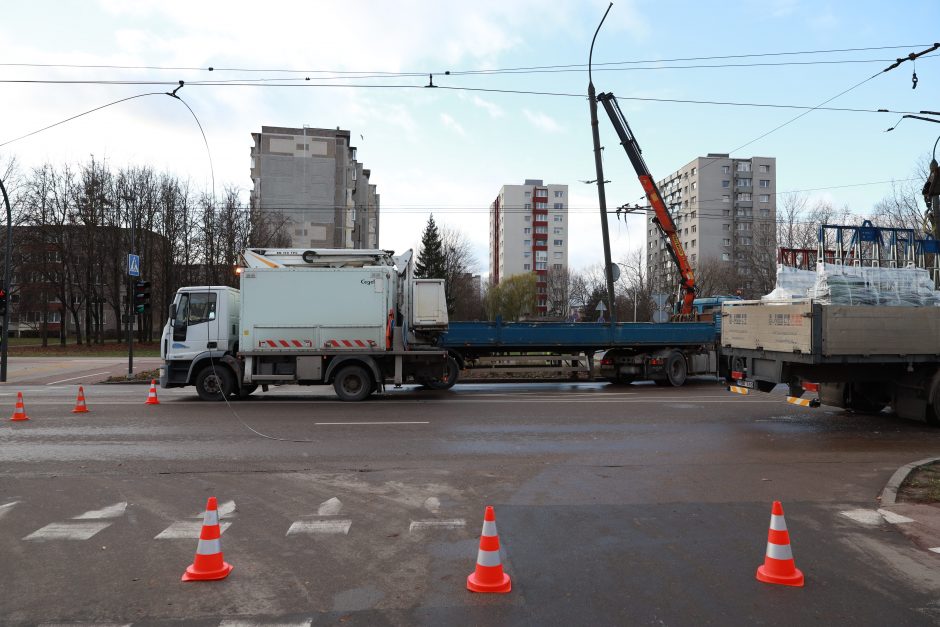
column 889, row 495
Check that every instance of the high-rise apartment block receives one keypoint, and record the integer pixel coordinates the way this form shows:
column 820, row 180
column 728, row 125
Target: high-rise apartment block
column 724, row 208
column 529, row 233
column 311, row 177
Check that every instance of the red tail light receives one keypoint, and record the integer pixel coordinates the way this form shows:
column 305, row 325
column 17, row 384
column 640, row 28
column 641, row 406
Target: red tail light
column 810, row 387
column 607, row 362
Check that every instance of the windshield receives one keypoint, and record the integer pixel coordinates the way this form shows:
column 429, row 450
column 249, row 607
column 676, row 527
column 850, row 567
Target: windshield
column 196, row 307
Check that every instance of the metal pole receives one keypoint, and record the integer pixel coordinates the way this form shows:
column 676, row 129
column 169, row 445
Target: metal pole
column 5, row 340
column 599, row 168
column 130, row 301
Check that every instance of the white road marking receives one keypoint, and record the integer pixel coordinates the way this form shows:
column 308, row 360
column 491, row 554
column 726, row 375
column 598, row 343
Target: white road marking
column 407, row 422
column 935, row 549
column 864, row 516
column 6, row 508
column 84, row 376
column 330, row 507
column 85, row 624
column 319, row 526
column 237, row 622
column 185, row 529
column 893, row 518
column 68, row 531
column 432, row 504
column 422, row 525
column 111, row 511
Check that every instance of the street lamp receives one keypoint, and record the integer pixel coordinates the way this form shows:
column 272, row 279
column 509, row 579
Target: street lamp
column 5, row 340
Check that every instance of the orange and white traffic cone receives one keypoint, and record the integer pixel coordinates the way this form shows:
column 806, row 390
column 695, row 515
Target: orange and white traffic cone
column 80, row 406
column 489, row 575
column 152, row 396
column 20, row 412
column 779, row 566
column 209, row 563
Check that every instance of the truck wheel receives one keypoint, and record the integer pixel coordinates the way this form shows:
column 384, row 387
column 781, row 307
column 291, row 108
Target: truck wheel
column 676, row 369
column 451, row 372
column 352, row 383
column 213, row 383
column 933, row 408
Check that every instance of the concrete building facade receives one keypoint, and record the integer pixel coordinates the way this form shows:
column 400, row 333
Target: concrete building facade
column 311, row 177
column 529, row 233
column 725, row 210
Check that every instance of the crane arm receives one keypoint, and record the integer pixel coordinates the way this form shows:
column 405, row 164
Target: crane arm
column 662, row 219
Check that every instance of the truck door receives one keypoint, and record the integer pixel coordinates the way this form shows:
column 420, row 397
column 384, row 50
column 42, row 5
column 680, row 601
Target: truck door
column 195, row 325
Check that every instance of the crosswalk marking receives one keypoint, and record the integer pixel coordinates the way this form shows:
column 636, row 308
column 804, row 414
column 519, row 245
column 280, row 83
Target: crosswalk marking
column 319, row 526
column 111, row 511
column 68, row 531
column 864, row 516
column 422, row 525
column 893, row 518
column 330, row 507
column 185, row 529
column 6, row 508
column 226, row 509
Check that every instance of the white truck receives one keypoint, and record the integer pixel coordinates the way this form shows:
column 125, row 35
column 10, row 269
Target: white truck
column 355, row 319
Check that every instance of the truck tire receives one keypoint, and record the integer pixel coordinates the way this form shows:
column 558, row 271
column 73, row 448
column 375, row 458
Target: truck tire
column 352, row 383
column 215, row 382
column 933, row 408
column 451, row 372
column 676, row 369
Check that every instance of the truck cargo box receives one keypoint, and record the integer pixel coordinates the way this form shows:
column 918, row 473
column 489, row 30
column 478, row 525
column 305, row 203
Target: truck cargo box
column 312, row 309
column 827, row 331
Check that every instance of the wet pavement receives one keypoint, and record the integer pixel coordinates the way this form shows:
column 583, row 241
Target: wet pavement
column 615, row 505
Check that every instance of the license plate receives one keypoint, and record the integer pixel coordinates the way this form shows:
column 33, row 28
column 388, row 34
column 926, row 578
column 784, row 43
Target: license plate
column 744, row 383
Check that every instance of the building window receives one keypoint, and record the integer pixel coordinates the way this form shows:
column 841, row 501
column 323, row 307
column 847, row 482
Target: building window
column 528, row 218
column 744, row 196
column 693, row 243
column 558, row 255
column 541, row 265
column 541, row 192
column 686, row 231
column 726, row 212
column 693, row 258
column 559, row 242
column 744, row 166
column 765, row 182
column 693, row 171
column 528, row 194
column 694, row 184
column 693, row 228
column 725, row 257
column 744, row 226
column 726, row 169
column 743, row 183
column 527, row 254
column 527, row 266
column 765, row 213
column 692, row 215
column 559, row 218
column 557, row 266
column 527, row 243
column 557, row 230
column 559, row 205
column 725, row 198
column 726, row 242
column 764, row 197
column 726, row 183
column 528, row 205
column 559, row 194
column 764, row 169
column 725, row 227
column 527, row 230
column 541, row 205
column 541, row 229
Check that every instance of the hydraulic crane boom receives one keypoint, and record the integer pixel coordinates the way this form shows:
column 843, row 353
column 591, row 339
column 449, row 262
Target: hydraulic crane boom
column 662, row 217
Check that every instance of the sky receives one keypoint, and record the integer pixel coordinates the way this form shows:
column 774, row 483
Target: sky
column 448, row 151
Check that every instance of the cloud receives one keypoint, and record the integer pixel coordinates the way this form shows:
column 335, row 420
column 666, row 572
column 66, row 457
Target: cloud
column 542, row 121
column 492, row 108
column 453, row 125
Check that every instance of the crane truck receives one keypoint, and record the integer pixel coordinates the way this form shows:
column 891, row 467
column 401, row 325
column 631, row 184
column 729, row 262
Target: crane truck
column 355, row 319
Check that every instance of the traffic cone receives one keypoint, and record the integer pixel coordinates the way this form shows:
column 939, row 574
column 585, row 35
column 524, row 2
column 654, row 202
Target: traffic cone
column 80, row 406
column 489, row 575
column 779, row 566
column 208, row 563
column 152, row 396
column 20, row 412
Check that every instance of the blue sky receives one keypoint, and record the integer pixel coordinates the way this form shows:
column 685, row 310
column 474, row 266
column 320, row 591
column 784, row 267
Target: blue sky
column 449, row 151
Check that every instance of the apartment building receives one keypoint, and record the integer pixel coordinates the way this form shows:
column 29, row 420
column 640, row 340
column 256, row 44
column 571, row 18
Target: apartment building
column 529, row 233
column 312, row 178
column 724, row 208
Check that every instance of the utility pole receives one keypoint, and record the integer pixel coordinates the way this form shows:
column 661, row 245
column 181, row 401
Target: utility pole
column 130, row 295
column 5, row 340
column 599, row 168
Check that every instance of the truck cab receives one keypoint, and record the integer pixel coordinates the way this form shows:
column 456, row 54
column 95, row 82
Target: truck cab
column 202, row 326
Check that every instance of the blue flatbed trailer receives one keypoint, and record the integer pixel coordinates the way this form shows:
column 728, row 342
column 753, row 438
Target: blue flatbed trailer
column 552, row 336
column 629, row 351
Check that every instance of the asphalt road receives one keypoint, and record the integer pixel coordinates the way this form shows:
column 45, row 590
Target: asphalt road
column 635, row 505
column 72, row 370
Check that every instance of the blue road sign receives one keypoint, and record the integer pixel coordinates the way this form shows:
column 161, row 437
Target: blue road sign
column 133, row 265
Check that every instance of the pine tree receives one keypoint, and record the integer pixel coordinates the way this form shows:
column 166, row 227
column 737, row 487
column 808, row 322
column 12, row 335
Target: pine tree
column 431, row 262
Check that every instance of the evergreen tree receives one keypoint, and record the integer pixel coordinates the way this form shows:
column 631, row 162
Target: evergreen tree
column 432, row 260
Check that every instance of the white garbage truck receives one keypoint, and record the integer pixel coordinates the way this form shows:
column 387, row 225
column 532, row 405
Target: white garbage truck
column 356, row 319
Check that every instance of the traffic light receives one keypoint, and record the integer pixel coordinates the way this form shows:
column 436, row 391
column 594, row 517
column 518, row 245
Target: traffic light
column 3, row 301
column 141, row 297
